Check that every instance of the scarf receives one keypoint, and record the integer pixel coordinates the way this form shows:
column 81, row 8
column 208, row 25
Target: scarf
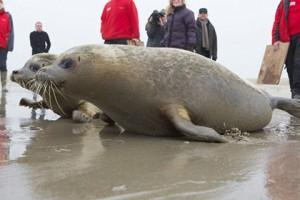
column 205, row 39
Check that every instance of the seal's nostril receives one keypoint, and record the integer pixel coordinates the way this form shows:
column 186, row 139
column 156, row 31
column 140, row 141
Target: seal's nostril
column 15, row 72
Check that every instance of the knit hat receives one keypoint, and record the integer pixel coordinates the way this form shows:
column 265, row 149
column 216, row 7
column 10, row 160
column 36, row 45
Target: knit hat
column 162, row 12
column 203, row 11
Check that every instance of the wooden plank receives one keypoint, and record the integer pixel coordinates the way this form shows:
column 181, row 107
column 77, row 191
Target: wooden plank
column 272, row 65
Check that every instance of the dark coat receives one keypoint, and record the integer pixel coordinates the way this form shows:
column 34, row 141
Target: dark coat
column 181, row 29
column 155, row 34
column 38, row 41
column 212, row 36
column 10, row 45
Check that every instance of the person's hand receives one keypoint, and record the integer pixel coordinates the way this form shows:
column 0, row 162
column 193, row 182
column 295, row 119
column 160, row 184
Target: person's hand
column 276, row 46
column 161, row 22
column 214, row 58
column 135, row 41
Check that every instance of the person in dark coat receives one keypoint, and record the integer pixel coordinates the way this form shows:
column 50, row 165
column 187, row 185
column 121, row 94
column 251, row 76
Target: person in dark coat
column 181, row 27
column 39, row 40
column 6, row 42
column 206, row 36
column 155, row 28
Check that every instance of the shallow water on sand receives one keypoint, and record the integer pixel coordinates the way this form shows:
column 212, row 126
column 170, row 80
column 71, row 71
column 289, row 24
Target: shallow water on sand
column 43, row 157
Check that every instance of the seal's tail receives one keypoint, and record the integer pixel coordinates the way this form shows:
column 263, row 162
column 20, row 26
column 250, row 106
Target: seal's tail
column 292, row 106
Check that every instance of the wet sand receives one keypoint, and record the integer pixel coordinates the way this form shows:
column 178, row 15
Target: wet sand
column 44, row 157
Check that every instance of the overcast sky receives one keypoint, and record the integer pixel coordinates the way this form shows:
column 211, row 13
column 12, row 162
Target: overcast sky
column 243, row 27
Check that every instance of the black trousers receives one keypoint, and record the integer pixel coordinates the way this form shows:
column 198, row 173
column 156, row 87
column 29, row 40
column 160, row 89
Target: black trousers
column 116, row 41
column 293, row 65
column 36, row 51
column 204, row 52
column 3, row 59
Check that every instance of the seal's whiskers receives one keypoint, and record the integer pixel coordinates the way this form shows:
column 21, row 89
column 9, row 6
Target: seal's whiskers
column 49, row 94
column 60, row 92
column 58, row 105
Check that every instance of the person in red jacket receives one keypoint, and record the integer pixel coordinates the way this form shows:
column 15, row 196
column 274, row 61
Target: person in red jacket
column 6, row 42
column 119, row 22
column 286, row 28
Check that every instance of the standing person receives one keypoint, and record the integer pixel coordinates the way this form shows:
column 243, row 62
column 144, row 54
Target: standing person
column 119, row 22
column 181, row 27
column 40, row 43
column 6, row 42
column 206, row 36
column 156, row 28
column 286, row 28
column 39, row 40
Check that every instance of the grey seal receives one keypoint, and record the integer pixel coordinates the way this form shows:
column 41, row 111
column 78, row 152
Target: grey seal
column 164, row 91
column 63, row 105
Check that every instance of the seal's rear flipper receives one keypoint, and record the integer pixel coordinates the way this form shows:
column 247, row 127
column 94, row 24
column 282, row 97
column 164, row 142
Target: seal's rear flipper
column 180, row 118
column 292, row 106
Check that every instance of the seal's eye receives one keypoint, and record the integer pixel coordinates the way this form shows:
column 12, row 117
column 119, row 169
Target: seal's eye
column 34, row 67
column 67, row 63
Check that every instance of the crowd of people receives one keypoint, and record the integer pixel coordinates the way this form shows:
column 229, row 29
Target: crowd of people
column 174, row 27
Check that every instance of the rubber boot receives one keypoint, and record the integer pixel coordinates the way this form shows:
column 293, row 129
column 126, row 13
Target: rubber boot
column 4, row 81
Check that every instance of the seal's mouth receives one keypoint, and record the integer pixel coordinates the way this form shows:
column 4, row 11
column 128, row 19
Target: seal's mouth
column 18, row 78
column 43, row 77
column 15, row 77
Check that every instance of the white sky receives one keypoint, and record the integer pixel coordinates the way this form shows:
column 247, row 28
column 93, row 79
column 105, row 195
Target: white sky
column 243, row 27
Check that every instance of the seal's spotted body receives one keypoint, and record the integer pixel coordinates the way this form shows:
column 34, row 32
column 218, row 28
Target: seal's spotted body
column 163, row 91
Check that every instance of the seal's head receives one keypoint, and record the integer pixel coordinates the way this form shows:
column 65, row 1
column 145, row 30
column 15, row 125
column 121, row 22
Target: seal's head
column 26, row 75
column 76, row 66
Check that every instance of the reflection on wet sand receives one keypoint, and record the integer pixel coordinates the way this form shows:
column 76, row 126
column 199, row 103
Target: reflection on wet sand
column 283, row 172
column 3, row 150
column 58, row 159
column 4, row 139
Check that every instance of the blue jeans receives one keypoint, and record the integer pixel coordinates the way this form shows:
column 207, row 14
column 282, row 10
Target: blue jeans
column 3, row 59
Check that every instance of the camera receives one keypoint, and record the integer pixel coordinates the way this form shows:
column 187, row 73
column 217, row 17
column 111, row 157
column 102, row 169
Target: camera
column 155, row 16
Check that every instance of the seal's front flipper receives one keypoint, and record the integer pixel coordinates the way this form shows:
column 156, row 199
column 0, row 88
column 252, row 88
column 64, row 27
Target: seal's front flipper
column 80, row 116
column 180, row 118
column 32, row 104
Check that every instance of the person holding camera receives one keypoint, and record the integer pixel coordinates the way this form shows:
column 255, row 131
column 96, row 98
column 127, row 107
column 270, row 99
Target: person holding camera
column 155, row 28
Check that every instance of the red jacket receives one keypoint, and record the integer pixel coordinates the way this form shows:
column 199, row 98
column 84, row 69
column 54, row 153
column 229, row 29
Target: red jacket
column 287, row 21
column 5, row 29
column 119, row 20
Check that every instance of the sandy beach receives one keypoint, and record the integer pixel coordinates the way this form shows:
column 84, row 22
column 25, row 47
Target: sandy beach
column 44, row 157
